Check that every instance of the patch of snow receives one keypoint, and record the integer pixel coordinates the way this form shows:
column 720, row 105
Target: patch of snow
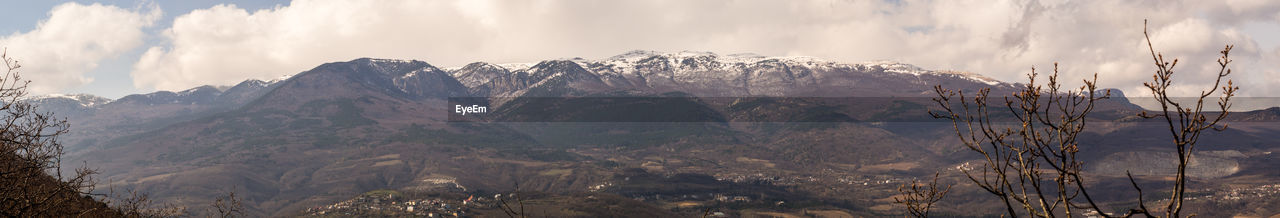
column 256, row 83
column 896, row 67
column 85, row 100
column 708, row 66
column 410, row 74
column 193, row 90
column 800, row 59
column 970, row 76
column 686, row 53
column 516, row 66
column 53, row 96
column 281, row 78
column 393, row 61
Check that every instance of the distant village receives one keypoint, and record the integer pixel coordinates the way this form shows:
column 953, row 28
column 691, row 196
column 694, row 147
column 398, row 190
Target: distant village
column 392, row 204
column 1241, row 193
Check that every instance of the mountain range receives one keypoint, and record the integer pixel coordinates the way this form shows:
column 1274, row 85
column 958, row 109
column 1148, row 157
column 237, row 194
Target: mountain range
column 344, row 128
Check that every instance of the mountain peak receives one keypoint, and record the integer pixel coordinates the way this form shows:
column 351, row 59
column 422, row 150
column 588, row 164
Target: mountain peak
column 638, row 55
column 737, row 58
column 687, row 53
column 383, row 67
column 383, row 60
column 478, row 73
column 485, row 66
column 547, row 69
column 199, row 89
column 85, row 100
column 895, row 66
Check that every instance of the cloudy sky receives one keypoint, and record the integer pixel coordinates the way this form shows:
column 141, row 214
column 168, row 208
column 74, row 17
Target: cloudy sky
column 114, row 48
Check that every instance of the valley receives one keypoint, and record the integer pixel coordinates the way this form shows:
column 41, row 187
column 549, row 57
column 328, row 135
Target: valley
column 639, row 134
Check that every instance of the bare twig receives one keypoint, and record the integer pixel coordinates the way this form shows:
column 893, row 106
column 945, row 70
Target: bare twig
column 1043, row 138
column 919, row 198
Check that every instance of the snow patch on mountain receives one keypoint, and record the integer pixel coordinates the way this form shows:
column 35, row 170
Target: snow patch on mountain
column 898, row 67
column 389, row 61
column 731, row 75
column 85, row 100
column 517, row 66
column 684, row 63
column 278, row 79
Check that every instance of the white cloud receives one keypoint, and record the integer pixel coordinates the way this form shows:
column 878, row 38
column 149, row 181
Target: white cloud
column 1002, row 39
column 63, row 48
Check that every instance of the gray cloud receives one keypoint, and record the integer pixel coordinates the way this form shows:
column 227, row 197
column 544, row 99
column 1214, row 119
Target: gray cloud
column 1001, row 39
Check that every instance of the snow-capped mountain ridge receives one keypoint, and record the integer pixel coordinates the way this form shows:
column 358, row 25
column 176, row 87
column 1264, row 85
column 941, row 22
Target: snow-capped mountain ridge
column 685, row 65
column 699, row 73
column 84, row 100
column 706, row 73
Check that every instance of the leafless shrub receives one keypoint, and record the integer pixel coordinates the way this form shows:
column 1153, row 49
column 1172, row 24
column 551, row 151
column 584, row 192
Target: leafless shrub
column 228, row 206
column 31, row 180
column 132, row 203
column 1040, row 144
column 919, row 198
column 1185, row 122
column 510, row 210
